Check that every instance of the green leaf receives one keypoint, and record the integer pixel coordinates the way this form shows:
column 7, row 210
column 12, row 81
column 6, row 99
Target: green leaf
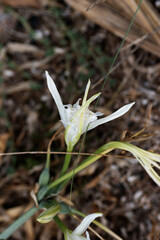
column 65, row 209
column 20, row 221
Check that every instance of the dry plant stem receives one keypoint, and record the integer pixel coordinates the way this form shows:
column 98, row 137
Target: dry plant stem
column 115, row 16
column 55, row 152
column 138, row 42
column 142, row 18
column 60, row 224
column 49, row 147
column 118, row 51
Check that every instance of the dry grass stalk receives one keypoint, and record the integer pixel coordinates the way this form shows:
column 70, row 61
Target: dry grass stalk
column 116, row 16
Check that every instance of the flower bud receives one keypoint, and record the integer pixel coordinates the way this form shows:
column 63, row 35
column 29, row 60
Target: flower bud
column 44, row 177
column 49, row 214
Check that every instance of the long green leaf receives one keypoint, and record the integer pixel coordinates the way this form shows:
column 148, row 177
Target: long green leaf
column 91, row 159
column 15, row 225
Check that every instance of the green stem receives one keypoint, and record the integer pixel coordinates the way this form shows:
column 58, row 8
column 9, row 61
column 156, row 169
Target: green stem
column 48, row 160
column 66, row 163
column 15, row 225
column 60, row 224
column 103, row 150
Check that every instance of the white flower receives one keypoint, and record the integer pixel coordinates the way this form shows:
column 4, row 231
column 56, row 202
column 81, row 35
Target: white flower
column 77, row 119
column 77, row 233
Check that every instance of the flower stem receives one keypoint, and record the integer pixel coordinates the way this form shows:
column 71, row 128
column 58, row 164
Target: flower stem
column 66, row 163
column 60, row 224
column 103, row 150
column 48, row 160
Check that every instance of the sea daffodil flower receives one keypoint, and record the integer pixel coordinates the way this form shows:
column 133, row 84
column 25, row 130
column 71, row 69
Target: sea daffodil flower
column 77, row 233
column 79, row 119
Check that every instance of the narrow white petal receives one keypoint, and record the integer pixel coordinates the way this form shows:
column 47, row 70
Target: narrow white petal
column 98, row 114
column 69, row 236
column 55, row 94
column 87, row 235
column 151, row 172
column 72, row 236
column 85, row 223
column 78, row 237
column 86, row 92
column 111, row 117
column 76, row 105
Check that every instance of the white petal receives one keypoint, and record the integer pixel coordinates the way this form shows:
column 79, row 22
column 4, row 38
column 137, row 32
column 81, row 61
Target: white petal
column 85, row 223
column 88, row 237
column 86, row 92
column 76, row 105
column 72, row 236
column 98, row 114
column 111, row 117
column 78, row 237
column 55, row 94
column 69, row 236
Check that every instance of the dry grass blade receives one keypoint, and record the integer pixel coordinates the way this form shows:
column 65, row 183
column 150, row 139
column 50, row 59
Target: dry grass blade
column 25, row 3
column 15, row 48
column 116, row 16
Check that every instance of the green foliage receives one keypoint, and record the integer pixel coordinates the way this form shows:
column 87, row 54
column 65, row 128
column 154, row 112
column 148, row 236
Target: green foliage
column 49, row 52
column 28, row 163
column 26, row 75
column 112, row 82
column 3, row 115
column 11, row 64
column 1, row 79
column 65, row 209
column 12, row 167
column 35, row 86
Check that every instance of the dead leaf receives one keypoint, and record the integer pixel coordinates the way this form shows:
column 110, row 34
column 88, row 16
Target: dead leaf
column 24, row 48
column 29, row 229
column 25, row 3
column 32, row 121
column 14, row 212
column 116, row 16
column 22, row 86
column 35, row 63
